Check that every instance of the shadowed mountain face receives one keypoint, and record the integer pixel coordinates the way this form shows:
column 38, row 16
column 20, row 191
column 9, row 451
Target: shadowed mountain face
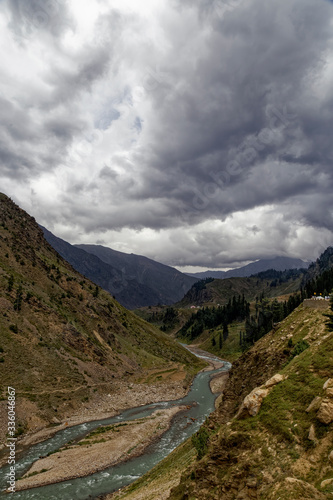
column 322, row 264
column 134, row 280
column 277, row 263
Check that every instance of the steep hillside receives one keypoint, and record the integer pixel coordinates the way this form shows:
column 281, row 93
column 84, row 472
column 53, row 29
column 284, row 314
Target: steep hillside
column 277, row 263
column 134, row 280
column 283, row 451
column 322, row 264
column 128, row 291
column 272, row 438
column 63, row 340
column 168, row 284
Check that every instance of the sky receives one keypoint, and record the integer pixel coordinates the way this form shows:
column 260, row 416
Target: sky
column 195, row 132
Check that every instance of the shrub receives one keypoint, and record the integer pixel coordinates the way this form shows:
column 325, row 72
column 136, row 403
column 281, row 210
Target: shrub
column 299, row 348
column 200, row 441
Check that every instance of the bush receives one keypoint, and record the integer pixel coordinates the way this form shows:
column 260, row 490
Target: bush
column 299, row 348
column 200, row 441
column 13, row 328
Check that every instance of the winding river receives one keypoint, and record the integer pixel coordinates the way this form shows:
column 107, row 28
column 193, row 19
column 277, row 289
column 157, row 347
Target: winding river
column 202, row 402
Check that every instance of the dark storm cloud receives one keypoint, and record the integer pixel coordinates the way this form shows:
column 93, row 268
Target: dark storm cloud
column 254, row 71
column 209, row 111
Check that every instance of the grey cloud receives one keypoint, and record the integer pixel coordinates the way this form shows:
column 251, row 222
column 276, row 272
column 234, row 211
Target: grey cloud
column 247, row 83
column 31, row 18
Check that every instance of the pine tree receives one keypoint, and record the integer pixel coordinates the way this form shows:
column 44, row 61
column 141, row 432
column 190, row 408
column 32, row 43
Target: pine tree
column 225, row 331
column 10, row 283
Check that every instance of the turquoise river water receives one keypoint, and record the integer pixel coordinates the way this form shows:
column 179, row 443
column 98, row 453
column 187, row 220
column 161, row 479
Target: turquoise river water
column 202, row 402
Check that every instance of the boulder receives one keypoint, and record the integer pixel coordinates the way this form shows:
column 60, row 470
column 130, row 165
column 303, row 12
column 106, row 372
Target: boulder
column 314, row 405
column 325, row 412
column 312, row 434
column 326, row 483
column 329, row 392
column 252, row 402
column 328, row 383
column 276, row 379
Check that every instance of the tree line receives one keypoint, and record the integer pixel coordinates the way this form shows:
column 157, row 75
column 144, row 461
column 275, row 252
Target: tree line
column 267, row 314
column 321, row 284
column 210, row 317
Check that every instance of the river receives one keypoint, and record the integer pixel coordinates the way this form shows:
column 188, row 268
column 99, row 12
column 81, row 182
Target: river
column 202, row 402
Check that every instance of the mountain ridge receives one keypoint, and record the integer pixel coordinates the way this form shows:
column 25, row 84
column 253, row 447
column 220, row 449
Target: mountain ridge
column 278, row 263
column 134, row 280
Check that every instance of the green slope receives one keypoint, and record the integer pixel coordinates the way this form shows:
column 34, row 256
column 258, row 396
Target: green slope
column 271, row 455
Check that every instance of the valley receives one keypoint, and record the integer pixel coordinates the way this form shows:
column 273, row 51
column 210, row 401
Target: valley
column 282, row 449
column 80, row 362
column 66, row 344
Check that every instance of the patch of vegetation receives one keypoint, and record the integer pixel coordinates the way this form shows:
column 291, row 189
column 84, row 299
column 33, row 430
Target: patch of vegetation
column 299, row 348
column 35, row 473
column 200, row 441
column 210, row 317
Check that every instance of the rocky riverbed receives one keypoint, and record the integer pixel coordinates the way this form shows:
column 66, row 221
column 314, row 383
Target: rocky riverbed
column 98, row 450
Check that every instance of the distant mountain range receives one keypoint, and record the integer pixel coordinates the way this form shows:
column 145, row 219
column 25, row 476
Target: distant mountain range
column 277, row 263
column 134, row 280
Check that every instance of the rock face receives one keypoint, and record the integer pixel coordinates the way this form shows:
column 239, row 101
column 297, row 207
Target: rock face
column 328, row 384
column 312, row 434
column 325, row 412
column 276, row 379
column 314, row 405
column 253, row 401
column 326, row 483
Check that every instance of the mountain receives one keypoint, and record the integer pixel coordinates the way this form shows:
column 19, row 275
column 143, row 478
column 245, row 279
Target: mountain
column 65, row 341
column 277, row 263
column 134, row 280
column 167, row 283
column 271, row 434
column 322, row 264
column 218, row 291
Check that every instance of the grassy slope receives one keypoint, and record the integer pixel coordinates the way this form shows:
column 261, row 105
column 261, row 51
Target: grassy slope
column 253, row 457
column 231, row 349
column 257, row 454
column 65, row 343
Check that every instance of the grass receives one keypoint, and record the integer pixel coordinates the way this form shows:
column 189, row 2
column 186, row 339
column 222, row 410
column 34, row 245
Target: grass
column 275, row 441
column 231, row 349
column 35, row 473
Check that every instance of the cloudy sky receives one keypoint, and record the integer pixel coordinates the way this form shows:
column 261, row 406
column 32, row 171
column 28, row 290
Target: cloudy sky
column 195, row 132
